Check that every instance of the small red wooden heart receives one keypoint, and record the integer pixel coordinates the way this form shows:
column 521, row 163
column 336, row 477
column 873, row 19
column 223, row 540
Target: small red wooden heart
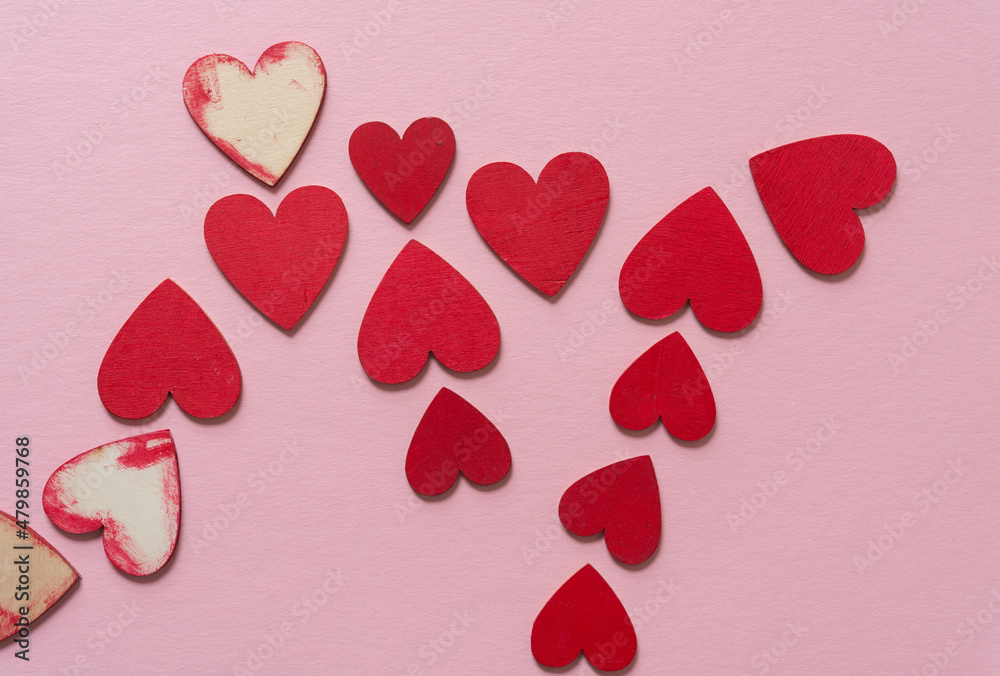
column 623, row 500
column 584, row 614
column 695, row 252
column 424, row 305
column 168, row 346
column 454, row 436
column 810, row 188
column 51, row 576
column 541, row 230
column 130, row 487
column 403, row 173
column 280, row 263
column 667, row 382
column 259, row 119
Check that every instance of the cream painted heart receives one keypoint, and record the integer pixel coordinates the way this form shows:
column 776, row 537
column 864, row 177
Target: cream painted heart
column 260, row 119
column 132, row 488
column 49, row 576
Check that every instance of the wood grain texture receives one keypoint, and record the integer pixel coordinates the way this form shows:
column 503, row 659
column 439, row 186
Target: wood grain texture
column 666, row 382
column 623, row 500
column 280, row 263
column 584, row 615
column 697, row 252
column 810, row 188
column 403, row 173
column 259, row 119
column 169, row 346
column 132, row 489
column 422, row 306
column 452, row 437
column 51, row 576
column 541, row 230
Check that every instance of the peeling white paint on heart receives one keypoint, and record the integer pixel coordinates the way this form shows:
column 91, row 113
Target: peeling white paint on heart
column 260, row 119
column 131, row 488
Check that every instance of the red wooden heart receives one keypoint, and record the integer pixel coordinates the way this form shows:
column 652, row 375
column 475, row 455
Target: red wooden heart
column 132, row 489
column 51, row 576
column 809, row 189
column 403, row 173
column 424, row 305
column 584, row 614
column 280, row 263
column 541, row 230
column 168, row 345
column 695, row 252
column 454, row 436
column 259, row 119
column 666, row 382
column 623, row 500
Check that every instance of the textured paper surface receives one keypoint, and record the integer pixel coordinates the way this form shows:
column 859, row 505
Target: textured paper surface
column 300, row 494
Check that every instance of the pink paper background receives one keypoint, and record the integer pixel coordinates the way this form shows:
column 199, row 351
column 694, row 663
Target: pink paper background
column 522, row 82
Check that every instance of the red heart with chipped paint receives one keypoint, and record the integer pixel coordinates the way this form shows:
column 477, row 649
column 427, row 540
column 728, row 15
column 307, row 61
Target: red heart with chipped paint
column 666, row 382
column 130, row 487
column 403, row 173
column 623, row 500
column 168, row 346
column 259, row 119
column 281, row 262
column 452, row 437
column 424, row 305
column 810, row 189
column 541, row 230
column 697, row 252
column 51, row 575
column 584, row 615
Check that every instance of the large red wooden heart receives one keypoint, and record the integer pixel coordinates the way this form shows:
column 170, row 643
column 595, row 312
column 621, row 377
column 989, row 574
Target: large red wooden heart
column 50, row 577
column 169, row 346
column 281, row 262
column 130, row 487
column 403, row 173
column 695, row 252
column 423, row 305
column 454, row 436
column 623, row 500
column 584, row 614
column 542, row 230
column 810, row 188
column 258, row 119
column 666, row 382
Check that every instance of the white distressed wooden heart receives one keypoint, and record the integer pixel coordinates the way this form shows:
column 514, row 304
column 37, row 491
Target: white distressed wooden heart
column 132, row 488
column 260, row 119
column 49, row 576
